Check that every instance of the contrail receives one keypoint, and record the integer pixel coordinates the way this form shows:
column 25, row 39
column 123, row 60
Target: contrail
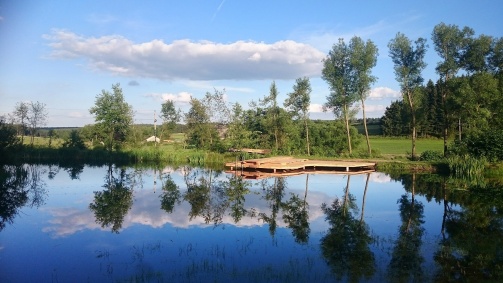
column 218, row 10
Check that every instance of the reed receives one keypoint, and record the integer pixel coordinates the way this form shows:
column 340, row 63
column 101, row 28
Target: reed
column 466, row 166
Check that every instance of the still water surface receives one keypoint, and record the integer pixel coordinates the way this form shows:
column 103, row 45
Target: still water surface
column 111, row 224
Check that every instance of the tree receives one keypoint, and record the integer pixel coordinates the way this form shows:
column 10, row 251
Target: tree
column 238, row 134
column 200, row 132
column 21, row 114
column 408, row 64
column 450, row 43
column 74, row 141
column 8, row 137
column 338, row 72
column 37, row 116
column 395, row 119
column 298, row 103
column 170, row 116
column 363, row 59
column 113, row 115
column 270, row 102
column 496, row 57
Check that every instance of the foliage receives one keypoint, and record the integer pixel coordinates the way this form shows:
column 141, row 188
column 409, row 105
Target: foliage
column 170, row 116
column 201, row 133
column 364, row 58
column 113, row 116
column 339, row 73
column 37, row 116
column 8, row 138
column 74, row 141
column 466, row 165
column 329, row 139
column 408, row 63
column 488, row 145
column 21, row 117
column 431, row 155
column 298, row 103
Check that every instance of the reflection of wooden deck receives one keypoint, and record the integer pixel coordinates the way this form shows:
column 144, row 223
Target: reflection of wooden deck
column 257, row 175
column 287, row 166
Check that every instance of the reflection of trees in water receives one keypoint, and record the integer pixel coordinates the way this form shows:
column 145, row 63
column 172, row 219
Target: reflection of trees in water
column 471, row 249
column 19, row 186
column 406, row 259
column 235, row 189
column 210, row 198
column 296, row 215
column 273, row 194
column 345, row 247
column 170, row 195
column 111, row 205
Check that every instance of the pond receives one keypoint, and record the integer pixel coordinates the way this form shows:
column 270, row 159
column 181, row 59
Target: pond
column 181, row 224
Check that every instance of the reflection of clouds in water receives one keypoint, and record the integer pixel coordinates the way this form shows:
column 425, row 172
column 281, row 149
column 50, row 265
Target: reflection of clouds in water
column 378, row 177
column 147, row 210
column 67, row 221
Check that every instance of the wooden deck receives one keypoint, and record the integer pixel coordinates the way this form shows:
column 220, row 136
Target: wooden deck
column 284, row 165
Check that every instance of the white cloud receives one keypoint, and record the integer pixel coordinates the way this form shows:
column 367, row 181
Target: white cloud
column 378, row 177
column 383, row 92
column 369, row 109
column 315, row 108
column 186, row 59
column 181, row 97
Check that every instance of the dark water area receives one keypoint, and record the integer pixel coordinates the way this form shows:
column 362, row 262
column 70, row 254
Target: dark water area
column 124, row 224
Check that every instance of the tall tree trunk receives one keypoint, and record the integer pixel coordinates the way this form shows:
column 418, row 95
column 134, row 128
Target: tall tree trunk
column 446, row 124
column 413, row 112
column 346, row 118
column 365, row 127
column 307, row 137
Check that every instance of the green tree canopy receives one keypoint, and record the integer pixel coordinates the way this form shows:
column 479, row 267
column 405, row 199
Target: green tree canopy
column 409, row 63
column 114, row 116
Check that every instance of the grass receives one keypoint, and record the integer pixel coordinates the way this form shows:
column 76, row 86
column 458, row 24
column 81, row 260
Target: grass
column 402, row 146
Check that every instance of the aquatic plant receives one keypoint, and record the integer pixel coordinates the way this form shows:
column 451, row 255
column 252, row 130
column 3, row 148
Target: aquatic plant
column 466, row 165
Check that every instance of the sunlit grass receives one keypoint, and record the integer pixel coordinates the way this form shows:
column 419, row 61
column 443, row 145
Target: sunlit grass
column 402, row 146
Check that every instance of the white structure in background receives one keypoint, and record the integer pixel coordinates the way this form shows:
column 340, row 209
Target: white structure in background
column 153, row 138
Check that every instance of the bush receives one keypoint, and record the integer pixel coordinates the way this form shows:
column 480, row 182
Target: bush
column 74, row 141
column 431, row 155
column 488, row 145
column 8, row 138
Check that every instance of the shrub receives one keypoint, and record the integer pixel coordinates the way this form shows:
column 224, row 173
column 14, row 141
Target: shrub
column 431, row 155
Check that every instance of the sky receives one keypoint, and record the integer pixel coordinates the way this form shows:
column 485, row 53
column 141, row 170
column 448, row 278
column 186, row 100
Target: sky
column 65, row 53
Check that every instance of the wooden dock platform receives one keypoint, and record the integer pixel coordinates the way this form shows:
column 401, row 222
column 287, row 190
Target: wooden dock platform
column 287, row 164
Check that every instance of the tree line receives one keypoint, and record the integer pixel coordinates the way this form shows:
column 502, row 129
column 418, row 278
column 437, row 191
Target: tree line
column 465, row 100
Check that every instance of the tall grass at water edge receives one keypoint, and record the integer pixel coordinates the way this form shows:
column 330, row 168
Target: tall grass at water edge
column 466, row 166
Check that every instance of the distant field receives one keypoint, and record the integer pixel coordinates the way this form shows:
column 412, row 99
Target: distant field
column 399, row 146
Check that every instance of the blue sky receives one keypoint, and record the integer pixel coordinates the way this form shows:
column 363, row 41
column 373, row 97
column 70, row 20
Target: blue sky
column 64, row 53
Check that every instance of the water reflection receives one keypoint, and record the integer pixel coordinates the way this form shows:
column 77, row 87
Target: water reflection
column 346, row 246
column 406, row 258
column 112, row 204
column 198, row 224
column 19, row 186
